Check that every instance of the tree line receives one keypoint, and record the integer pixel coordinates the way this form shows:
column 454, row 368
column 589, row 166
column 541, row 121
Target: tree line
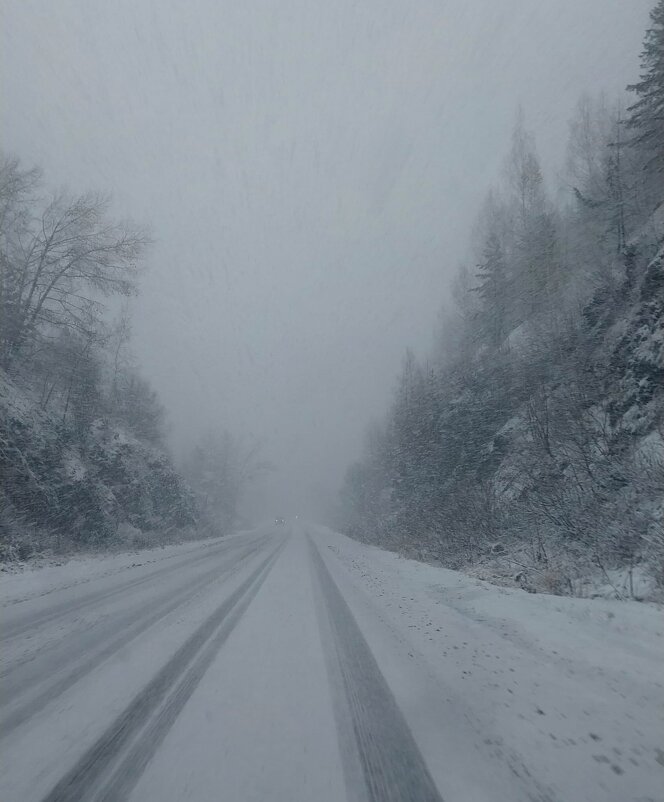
column 61, row 257
column 535, row 430
column 83, row 447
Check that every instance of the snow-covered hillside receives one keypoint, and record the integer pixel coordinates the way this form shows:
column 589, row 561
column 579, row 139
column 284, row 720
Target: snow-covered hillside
column 67, row 487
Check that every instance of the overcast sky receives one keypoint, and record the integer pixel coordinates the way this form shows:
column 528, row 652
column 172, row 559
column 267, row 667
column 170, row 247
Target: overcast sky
column 310, row 170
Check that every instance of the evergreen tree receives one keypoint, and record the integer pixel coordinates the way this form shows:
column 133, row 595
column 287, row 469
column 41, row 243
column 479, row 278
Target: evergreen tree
column 535, row 250
column 494, row 291
column 647, row 113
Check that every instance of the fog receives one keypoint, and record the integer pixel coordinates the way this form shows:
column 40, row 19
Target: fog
column 309, row 170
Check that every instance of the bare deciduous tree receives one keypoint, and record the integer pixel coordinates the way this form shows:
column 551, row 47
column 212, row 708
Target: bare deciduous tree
column 59, row 257
column 220, row 468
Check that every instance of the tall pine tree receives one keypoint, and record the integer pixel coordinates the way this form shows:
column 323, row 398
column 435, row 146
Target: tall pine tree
column 646, row 118
column 493, row 317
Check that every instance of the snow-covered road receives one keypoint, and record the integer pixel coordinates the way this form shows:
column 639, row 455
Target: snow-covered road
column 294, row 664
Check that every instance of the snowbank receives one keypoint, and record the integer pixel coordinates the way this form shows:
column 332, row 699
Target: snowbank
column 567, row 691
column 22, row 581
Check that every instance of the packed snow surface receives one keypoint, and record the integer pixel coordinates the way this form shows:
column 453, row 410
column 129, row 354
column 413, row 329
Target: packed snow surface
column 295, row 664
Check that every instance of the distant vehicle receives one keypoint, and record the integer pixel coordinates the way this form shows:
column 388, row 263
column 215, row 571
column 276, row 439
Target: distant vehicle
column 279, row 521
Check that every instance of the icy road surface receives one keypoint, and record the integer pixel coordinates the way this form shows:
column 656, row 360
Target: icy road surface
column 296, row 664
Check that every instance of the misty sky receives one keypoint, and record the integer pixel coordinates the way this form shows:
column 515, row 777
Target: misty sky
column 310, row 170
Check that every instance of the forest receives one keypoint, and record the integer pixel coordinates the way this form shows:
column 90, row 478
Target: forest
column 529, row 446
column 84, row 458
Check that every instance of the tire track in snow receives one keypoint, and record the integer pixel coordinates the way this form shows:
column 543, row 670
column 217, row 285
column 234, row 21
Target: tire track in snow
column 32, row 621
column 113, row 764
column 55, row 680
column 390, row 763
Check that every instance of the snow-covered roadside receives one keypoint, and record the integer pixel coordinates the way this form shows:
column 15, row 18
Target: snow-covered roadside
column 34, row 579
column 566, row 690
column 513, row 569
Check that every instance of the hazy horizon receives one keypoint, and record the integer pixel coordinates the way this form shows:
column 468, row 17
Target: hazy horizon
column 310, row 172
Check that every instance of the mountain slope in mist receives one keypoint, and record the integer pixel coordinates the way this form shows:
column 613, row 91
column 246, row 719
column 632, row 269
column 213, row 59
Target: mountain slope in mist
column 533, row 443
